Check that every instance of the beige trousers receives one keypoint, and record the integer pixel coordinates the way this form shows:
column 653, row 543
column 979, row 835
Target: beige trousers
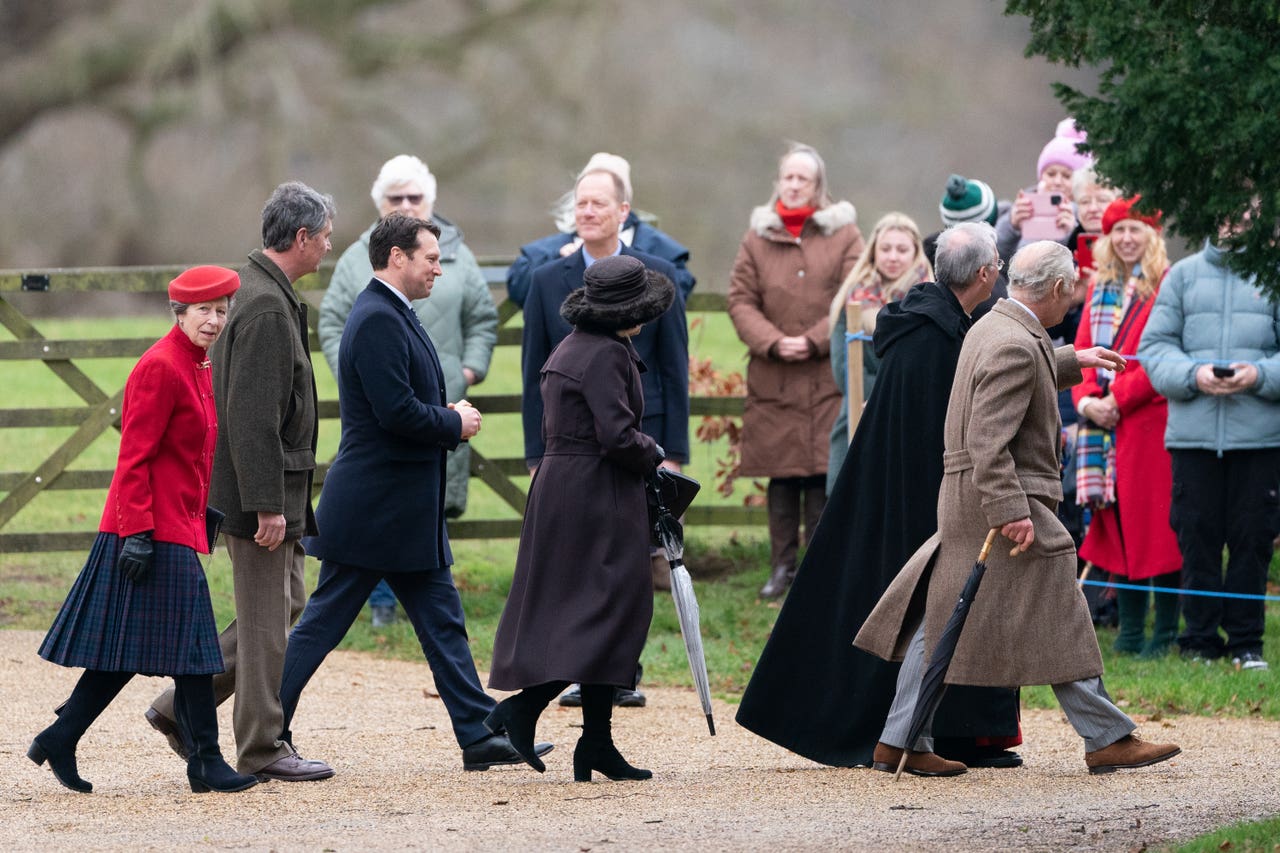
column 270, row 593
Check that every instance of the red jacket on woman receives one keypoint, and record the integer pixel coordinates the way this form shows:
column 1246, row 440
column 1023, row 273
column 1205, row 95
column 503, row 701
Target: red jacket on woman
column 167, row 434
column 1144, row 478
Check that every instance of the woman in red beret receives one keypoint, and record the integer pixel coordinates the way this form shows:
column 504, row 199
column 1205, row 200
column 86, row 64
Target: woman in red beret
column 1124, row 474
column 141, row 604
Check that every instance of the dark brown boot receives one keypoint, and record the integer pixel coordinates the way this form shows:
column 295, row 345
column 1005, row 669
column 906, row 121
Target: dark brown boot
column 778, row 582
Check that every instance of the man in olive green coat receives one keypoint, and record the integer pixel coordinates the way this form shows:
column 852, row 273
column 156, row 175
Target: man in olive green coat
column 1029, row 623
column 262, row 472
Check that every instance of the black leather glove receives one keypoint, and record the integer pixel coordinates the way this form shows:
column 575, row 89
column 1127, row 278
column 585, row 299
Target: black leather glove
column 137, row 557
column 662, row 455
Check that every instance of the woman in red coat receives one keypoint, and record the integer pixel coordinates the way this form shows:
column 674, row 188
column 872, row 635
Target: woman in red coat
column 1123, row 469
column 141, row 603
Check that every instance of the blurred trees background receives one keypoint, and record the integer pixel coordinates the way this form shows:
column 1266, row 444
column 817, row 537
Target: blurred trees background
column 151, row 131
column 1184, row 111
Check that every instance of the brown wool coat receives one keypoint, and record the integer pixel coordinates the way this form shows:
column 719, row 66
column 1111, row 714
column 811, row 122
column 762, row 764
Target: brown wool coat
column 582, row 596
column 782, row 286
column 1029, row 623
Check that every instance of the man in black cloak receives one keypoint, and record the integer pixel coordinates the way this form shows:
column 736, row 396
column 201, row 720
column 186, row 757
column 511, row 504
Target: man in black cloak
column 812, row 691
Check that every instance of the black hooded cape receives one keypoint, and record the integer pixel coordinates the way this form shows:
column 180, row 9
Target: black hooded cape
column 812, row 691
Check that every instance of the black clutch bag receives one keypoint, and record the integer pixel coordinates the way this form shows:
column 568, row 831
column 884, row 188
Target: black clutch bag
column 670, row 491
column 213, row 519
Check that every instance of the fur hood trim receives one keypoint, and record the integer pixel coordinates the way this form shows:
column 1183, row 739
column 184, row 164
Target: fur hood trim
column 833, row 217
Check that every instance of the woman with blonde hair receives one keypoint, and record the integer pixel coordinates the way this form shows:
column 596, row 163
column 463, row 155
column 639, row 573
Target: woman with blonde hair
column 798, row 248
column 1123, row 472
column 892, row 263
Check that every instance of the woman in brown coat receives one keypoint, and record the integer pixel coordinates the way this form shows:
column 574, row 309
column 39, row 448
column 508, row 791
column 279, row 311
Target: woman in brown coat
column 582, row 596
column 796, row 252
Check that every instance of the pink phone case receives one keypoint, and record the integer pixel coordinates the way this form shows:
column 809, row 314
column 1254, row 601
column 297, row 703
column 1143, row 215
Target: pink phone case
column 1044, row 216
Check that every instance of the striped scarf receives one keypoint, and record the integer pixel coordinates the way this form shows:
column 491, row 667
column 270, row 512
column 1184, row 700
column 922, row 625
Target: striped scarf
column 1095, row 445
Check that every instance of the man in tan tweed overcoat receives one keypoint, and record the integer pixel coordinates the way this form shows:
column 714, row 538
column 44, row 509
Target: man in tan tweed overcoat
column 1029, row 623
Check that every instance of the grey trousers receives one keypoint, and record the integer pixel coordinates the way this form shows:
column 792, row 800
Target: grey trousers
column 1085, row 702
column 270, row 593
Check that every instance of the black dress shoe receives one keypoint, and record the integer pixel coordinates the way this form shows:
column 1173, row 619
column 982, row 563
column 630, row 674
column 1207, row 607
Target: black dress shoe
column 999, row 759
column 495, row 751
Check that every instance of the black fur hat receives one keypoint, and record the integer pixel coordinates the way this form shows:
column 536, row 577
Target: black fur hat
column 618, row 292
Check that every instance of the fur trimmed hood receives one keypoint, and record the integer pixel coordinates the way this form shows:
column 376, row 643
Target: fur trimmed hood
column 766, row 222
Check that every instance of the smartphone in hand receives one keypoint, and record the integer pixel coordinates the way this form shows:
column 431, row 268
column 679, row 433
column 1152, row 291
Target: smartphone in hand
column 1043, row 224
column 1084, row 250
column 1223, row 372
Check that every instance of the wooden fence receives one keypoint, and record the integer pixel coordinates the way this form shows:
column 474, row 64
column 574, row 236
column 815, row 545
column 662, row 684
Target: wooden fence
column 100, row 411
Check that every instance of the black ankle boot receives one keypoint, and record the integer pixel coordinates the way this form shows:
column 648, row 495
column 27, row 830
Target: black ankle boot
column 592, row 754
column 61, row 758
column 518, row 716
column 595, row 749
column 57, row 744
column 198, row 721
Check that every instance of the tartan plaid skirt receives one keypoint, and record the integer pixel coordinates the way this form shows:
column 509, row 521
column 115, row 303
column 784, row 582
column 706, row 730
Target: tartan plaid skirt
column 164, row 626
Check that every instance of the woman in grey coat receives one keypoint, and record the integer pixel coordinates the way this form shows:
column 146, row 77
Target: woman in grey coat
column 582, row 596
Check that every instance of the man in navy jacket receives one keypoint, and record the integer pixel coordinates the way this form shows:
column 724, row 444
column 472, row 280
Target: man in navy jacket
column 600, row 209
column 381, row 513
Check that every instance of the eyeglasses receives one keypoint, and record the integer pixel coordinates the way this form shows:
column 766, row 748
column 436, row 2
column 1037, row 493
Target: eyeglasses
column 999, row 264
column 414, row 199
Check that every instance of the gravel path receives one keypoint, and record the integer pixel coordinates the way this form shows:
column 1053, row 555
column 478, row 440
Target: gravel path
column 400, row 784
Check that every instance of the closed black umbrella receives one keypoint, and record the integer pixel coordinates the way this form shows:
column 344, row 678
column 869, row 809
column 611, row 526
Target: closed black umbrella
column 670, row 495
column 933, row 684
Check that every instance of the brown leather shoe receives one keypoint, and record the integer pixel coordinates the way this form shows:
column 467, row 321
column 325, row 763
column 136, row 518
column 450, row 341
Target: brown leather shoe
column 294, row 768
column 1129, row 751
column 661, row 570
column 886, row 758
column 169, row 729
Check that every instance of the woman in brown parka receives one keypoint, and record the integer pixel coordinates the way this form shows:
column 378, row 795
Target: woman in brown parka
column 798, row 249
column 582, row 596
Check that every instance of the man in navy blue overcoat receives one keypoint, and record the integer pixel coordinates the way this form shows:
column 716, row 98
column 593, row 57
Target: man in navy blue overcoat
column 600, row 209
column 381, row 513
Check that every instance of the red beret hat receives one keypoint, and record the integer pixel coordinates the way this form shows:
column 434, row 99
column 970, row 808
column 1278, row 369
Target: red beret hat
column 203, row 284
column 1122, row 208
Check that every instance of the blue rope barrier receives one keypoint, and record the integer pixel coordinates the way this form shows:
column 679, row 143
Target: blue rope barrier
column 850, row 337
column 1171, row 590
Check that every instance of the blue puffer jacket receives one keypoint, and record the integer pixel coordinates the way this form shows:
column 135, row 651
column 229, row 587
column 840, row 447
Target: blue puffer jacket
column 1205, row 313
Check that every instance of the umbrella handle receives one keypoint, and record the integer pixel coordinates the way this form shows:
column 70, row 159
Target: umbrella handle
column 986, row 546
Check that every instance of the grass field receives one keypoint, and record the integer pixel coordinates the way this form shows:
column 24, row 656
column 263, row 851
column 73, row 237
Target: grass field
column 729, row 565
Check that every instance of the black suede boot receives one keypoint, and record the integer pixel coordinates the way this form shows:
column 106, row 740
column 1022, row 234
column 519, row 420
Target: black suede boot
column 518, row 716
column 198, row 721
column 595, row 749
column 57, row 744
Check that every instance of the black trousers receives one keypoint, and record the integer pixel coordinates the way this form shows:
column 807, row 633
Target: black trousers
column 1225, row 501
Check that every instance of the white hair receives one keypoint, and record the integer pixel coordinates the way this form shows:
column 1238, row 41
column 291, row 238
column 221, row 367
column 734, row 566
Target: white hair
column 1036, row 267
column 403, row 169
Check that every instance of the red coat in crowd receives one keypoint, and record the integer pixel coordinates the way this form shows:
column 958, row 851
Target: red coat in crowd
column 1144, row 478
column 168, row 430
